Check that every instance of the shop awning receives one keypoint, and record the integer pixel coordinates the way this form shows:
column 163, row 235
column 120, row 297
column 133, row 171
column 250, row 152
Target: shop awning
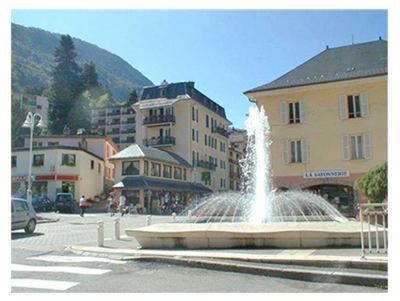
column 161, row 184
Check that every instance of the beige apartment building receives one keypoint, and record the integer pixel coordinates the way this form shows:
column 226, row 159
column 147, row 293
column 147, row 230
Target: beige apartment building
column 33, row 103
column 116, row 122
column 328, row 121
column 180, row 119
column 58, row 169
column 156, row 181
column 101, row 146
column 237, row 151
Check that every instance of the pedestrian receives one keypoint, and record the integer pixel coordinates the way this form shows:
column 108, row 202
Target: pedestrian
column 82, row 205
column 122, row 204
column 111, row 204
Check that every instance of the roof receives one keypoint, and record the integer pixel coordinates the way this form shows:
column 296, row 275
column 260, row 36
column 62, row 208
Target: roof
column 140, row 151
column 148, row 183
column 24, row 149
column 335, row 64
column 174, row 90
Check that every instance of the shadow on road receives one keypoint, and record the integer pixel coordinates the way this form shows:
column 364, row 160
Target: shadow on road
column 19, row 235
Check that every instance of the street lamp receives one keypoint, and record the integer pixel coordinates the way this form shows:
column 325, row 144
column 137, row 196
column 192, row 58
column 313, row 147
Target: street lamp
column 30, row 123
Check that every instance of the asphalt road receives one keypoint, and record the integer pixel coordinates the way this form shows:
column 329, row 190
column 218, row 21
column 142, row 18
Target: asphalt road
column 40, row 263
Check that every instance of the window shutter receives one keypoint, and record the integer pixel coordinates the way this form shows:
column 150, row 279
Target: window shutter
column 284, row 112
column 305, row 151
column 346, row 147
column 367, row 145
column 343, row 109
column 285, row 148
column 302, row 111
column 364, row 104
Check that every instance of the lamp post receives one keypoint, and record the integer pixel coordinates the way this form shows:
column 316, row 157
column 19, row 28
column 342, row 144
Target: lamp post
column 30, row 123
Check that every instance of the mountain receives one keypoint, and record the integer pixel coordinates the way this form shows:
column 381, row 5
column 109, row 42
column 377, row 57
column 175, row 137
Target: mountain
column 33, row 59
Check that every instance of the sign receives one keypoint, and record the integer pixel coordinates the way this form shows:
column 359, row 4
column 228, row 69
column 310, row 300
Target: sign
column 45, row 177
column 326, row 174
column 19, row 178
column 67, row 177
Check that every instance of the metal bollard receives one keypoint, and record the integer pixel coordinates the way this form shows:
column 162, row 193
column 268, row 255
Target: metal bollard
column 117, row 228
column 148, row 220
column 100, row 233
column 173, row 217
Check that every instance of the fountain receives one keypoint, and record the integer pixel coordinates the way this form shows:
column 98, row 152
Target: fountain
column 257, row 216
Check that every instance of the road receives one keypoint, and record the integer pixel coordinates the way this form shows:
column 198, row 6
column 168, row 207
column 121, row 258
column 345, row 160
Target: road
column 41, row 263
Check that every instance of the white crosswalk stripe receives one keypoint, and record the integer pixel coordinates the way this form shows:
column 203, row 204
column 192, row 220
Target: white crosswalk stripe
column 43, row 284
column 57, row 269
column 75, row 259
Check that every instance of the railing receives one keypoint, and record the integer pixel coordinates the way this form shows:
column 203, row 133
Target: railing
column 114, row 113
column 161, row 140
column 154, row 119
column 113, row 133
column 132, row 121
column 376, row 214
column 127, row 112
column 233, row 161
column 220, row 130
column 128, row 131
column 205, row 164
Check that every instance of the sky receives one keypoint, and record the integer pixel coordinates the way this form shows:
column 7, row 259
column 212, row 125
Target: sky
column 225, row 52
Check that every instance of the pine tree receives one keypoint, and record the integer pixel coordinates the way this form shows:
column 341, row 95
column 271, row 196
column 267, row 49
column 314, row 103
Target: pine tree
column 65, row 88
column 89, row 76
column 133, row 98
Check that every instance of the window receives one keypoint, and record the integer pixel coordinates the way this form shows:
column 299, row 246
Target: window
column 197, row 115
column 167, row 171
column 205, row 139
column 21, row 206
column 38, row 160
column 193, row 135
column 50, row 143
column 221, row 183
column 130, row 168
column 295, row 152
column 193, row 158
column 294, row 112
column 193, row 115
column 99, row 168
column 197, row 136
column 13, row 161
column 155, row 169
column 357, row 152
column 68, row 159
column 91, row 164
column 177, row 173
column 146, row 168
column 163, row 92
column 354, row 106
column 207, row 121
column 184, row 174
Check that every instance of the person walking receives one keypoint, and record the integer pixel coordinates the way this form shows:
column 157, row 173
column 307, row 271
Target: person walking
column 112, row 205
column 82, row 205
column 122, row 204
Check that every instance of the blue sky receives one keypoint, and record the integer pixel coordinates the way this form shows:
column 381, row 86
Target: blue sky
column 225, row 52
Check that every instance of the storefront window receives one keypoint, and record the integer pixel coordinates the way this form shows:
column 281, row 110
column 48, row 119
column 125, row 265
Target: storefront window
column 38, row 160
column 130, row 168
column 167, row 171
column 177, row 173
column 39, row 188
column 155, row 169
column 68, row 159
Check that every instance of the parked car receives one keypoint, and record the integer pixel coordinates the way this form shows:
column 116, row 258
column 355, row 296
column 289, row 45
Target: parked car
column 65, row 203
column 23, row 215
column 42, row 204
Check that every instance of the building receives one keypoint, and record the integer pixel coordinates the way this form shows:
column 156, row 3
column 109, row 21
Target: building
column 58, row 169
column 180, row 119
column 328, row 121
column 33, row 103
column 117, row 122
column 101, row 146
column 237, row 151
column 157, row 181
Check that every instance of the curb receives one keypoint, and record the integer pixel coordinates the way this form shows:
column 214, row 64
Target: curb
column 289, row 273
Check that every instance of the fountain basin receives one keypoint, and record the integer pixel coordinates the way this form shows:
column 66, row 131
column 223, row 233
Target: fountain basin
column 246, row 235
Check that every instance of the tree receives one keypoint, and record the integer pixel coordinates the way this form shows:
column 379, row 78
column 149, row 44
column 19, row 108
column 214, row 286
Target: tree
column 65, row 88
column 374, row 184
column 89, row 76
column 133, row 98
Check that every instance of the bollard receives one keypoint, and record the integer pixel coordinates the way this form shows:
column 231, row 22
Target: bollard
column 173, row 217
column 117, row 228
column 189, row 214
column 148, row 220
column 100, row 233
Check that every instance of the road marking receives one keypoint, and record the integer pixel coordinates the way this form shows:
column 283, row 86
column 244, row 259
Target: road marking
column 73, row 259
column 57, row 269
column 43, row 284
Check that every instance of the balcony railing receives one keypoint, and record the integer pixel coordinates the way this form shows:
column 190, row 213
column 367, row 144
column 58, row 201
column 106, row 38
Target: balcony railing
column 221, row 131
column 205, row 164
column 114, row 113
column 113, row 133
column 128, row 141
column 158, row 141
column 128, row 121
column 127, row 112
column 155, row 119
column 128, row 131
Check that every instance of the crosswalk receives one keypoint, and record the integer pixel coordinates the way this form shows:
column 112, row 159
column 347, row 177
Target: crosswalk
column 38, row 272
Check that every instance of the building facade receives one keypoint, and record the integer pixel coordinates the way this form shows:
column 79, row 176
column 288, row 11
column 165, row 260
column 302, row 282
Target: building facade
column 58, row 169
column 33, row 103
column 116, row 122
column 237, row 151
column 180, row 119
column 101, row 146
column 328, row 121
column 156, row 181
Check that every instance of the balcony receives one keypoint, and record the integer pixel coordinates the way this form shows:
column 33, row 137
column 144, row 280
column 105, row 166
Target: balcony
column 233, row 161
column 158, row 119
column 113, row 133
column 128, row 141
column 205, row 164
column 160, row 141
column 221, row 131
column 127, row 112
column 128, row 131
column 128, row 121
column 114, row 113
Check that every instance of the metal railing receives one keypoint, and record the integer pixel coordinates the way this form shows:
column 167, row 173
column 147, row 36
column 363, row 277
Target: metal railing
column 374, row 217
column 161, row 140
column 155, row 119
